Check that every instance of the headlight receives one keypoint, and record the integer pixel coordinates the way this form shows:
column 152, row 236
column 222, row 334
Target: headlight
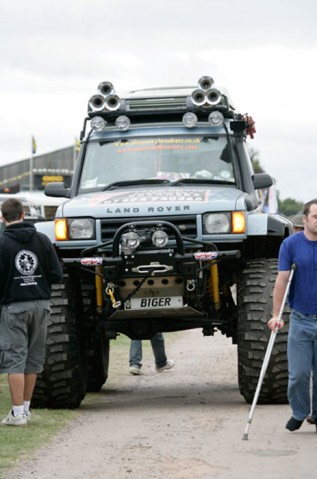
column 216, row 223
column 219, row 223
column 81, row 228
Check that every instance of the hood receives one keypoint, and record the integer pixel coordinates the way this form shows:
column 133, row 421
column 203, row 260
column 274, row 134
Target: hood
column 147, row 201
column 21, row 232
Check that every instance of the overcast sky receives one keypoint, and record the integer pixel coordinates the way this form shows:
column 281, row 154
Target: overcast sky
column 54, row 53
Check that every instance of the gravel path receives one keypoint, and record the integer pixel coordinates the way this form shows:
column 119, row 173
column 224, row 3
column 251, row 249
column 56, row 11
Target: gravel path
column 181, row 424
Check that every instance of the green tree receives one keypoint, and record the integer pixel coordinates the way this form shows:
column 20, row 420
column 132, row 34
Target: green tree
column 254, row 156
column 287, row 207
column 290, row 206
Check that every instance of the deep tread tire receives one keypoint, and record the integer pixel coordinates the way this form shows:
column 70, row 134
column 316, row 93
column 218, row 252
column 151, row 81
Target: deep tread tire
column 97, row 363
column 97, row 346
column 63, row 382
column 255, row 292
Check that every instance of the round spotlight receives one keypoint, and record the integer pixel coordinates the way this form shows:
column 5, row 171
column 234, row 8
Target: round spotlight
column 123, row 123
column 215, row 118
column 97, row 123
column 159, row 238
column 130, row 240
column 190, row 119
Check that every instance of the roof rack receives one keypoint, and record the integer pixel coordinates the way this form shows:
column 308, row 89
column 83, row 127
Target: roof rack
column 204, row 98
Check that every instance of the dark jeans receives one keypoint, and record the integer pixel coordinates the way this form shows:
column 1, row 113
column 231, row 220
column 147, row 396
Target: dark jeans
column 158, row 347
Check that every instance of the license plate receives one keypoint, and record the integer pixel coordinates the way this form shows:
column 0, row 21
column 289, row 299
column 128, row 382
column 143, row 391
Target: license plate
column 156, row 303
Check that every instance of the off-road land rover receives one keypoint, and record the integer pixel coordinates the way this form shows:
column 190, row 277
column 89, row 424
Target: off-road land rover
column 162, row 230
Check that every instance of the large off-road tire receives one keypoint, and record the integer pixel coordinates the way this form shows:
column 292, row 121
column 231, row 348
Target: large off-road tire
column 97, row 362
column 255, row 292
column 97, row 346
column 63, row 382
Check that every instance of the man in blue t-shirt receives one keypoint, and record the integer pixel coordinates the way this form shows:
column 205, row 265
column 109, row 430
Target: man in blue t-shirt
column 300, row 249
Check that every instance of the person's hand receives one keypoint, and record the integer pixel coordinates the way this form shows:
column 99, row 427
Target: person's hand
column 273, row 322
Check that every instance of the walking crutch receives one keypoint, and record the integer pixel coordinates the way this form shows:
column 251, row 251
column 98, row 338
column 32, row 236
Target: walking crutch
column 268, row 355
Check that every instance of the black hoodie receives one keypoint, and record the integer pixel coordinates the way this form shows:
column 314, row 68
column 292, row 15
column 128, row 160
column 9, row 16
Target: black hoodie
column 28, row 264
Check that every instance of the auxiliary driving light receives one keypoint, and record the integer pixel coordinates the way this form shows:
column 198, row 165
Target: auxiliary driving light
column 215, row 118
column 130, row 240
column 97, row 123
column 159, row 238
column 190, row 119
column 123, row 123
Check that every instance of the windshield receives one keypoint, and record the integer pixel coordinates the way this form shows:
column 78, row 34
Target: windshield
column 164, row 158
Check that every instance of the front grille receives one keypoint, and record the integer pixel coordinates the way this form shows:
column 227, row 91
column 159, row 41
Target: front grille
column 186, row 225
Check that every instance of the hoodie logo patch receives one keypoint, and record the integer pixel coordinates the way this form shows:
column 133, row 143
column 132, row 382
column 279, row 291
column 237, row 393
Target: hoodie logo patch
column 26, row 262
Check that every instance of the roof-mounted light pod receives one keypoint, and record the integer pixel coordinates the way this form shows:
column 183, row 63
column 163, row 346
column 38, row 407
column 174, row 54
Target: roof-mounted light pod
column 190, row 120
column 98, row 123
column 205, row 82
column 96, row 102
column 198, row 97
column 213, row 96
column 112, row 102
column 106, row 88
column 123, row 123
column 215, row 118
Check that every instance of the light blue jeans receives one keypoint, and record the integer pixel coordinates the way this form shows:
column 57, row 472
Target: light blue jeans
column 158, row 347
column 302, row 362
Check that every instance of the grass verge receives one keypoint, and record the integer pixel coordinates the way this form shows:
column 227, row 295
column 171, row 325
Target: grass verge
column 18, row 443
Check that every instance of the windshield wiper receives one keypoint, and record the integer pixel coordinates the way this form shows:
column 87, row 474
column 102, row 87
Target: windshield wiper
column 149, row 181
column 212, row 181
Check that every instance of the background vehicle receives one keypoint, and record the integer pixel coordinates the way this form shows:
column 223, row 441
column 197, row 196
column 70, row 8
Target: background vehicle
column 31, row 210
column 162, row 231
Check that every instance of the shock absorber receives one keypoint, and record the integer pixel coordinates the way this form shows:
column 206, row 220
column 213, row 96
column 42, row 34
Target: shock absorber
column 99, row 287
column 214, row 284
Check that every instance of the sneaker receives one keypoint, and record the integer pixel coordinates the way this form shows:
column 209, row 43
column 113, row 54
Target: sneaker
column 169, row 365
column 28, row 416
column 18, row 420
column 135, row 370
column 293, row 424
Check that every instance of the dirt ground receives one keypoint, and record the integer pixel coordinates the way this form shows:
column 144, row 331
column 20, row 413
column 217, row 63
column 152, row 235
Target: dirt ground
column 181, row 424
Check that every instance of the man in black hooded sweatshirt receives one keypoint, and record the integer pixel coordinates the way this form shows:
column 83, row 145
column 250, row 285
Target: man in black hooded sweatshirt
column 28, row 267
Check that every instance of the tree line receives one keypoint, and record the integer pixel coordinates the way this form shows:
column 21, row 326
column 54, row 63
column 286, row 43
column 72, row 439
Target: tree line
column 287, row 207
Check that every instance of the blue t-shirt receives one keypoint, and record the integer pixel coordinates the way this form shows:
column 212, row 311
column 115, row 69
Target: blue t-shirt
column 303, row 290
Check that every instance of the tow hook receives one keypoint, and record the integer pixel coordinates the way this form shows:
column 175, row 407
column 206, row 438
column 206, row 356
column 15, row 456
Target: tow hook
column 109, row 292
column 190, row 285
